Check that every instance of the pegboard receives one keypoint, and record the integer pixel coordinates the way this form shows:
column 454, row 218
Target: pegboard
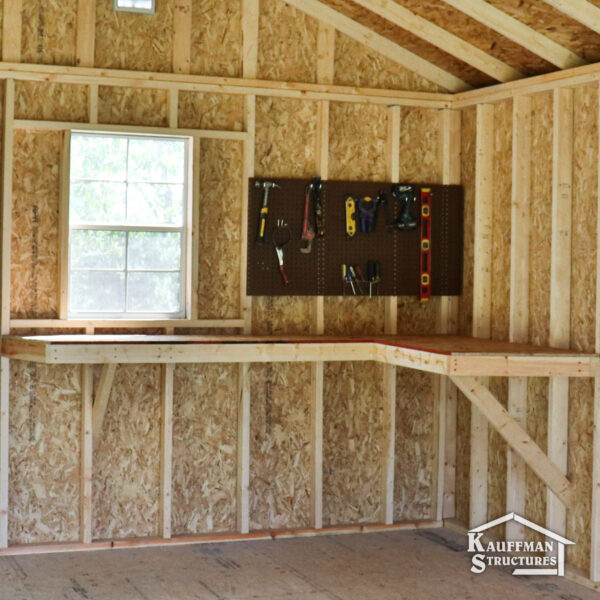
column 320, row 272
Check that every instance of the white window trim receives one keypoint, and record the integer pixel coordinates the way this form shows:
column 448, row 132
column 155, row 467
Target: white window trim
column 140, row 11
column 187, row 231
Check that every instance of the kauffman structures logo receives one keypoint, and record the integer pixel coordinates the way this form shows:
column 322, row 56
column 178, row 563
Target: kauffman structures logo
column 528, row 557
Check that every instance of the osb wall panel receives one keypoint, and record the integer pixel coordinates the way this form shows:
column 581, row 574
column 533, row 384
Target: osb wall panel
column 48, row 32
column 219, row 234
column 357, row 65
column 134, row 41
column 280, row 446
column 468, row 135
column 411, row 42
column 463, row 458
column 501, row 219
column 414, row 445
column 585, row 189
column 126, row 472
column 477, row 34
column 204, row 448
column 34, row 242
column 537, row 427
column 579, row 471
column 420, row 162
column 554, row 24
column 352, row 438
column 51, row 101
column 541, row 219
column 285, row 147
column 583, row 299
column 216, row 38
column 500, row 298
column 287, row 47
column 45, row 421
column 210, row 111
column 539, row 289
column 130, row 106
column 357, row 151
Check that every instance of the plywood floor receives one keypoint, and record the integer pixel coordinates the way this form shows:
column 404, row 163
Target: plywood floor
column 423, row 565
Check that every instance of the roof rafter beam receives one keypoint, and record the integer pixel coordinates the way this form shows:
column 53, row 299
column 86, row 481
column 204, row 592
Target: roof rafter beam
column 518, row 32
column 441, row 38
column 381, row 44
column 580, row 10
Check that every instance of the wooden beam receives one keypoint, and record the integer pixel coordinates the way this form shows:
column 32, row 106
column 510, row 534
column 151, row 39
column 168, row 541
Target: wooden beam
column 12, row 19
column 101, row 401
column 325, row 53
column 442, row 38
column 519, row 297
column 85, row 510
column 447, row 322
column 173, row 105
column 484, row 190
column 325, row 64
column 4, row 448
column 7, row 204
column 5, row 244
column 595, row 519
column 250, row 19
column 579, row 10
column 85, row 33
column 243, row 450
column 166, row 448
column 518, row 32
column 316, row 445
column 93, row 103
column 213, row 134
column 482, row 300
column 63, row 227
column 391, row 328
column 560, row 295
column 182, row 36
column 220, row 85
column 381, row 44
column 516, row 437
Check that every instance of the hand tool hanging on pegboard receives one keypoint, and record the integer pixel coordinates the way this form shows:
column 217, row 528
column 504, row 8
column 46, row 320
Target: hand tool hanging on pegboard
column 264, row 209
column 425, row 262
column 406, row 196
column 308, row 231
column 317, row 188
column 281, row 236
column 350, row 205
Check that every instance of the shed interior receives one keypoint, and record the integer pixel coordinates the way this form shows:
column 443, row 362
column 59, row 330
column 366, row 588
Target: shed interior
column 272, row 416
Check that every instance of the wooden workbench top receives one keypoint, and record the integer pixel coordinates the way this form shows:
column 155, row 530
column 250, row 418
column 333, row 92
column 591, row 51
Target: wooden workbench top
column 448, row 355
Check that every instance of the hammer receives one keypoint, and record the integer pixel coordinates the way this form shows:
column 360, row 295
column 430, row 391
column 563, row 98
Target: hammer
column 264, row 210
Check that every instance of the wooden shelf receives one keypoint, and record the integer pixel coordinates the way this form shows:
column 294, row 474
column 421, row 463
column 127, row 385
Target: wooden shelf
column 446, row 355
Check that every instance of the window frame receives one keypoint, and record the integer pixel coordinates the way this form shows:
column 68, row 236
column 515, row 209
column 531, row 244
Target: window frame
column 139, row 11
column 187, row 234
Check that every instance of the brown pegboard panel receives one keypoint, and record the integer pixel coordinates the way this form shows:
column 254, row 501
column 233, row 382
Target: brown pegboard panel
column 319, row 273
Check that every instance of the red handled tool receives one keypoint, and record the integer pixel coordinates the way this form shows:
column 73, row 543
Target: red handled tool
column 281, row 236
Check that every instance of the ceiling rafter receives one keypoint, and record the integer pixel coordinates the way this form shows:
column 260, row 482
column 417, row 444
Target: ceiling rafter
column 381, row 44
column 442, row 39
column 580, row 10
column 518, row 32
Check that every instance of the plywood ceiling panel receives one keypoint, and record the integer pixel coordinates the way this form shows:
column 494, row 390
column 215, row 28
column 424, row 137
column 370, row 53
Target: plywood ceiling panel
column 411, row 42
column 554, row 24
column 482, row 37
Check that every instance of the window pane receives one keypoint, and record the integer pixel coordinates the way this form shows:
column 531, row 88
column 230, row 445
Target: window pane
column 98, row 157
column 97, row 202
column 153, row 292
column 154, row 204
column 97, row 249
column 154, row 251
column 97, row 291
column 156, row 160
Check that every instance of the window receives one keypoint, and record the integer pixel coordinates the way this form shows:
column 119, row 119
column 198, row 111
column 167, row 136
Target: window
column 135, row 6
column 128, row 226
